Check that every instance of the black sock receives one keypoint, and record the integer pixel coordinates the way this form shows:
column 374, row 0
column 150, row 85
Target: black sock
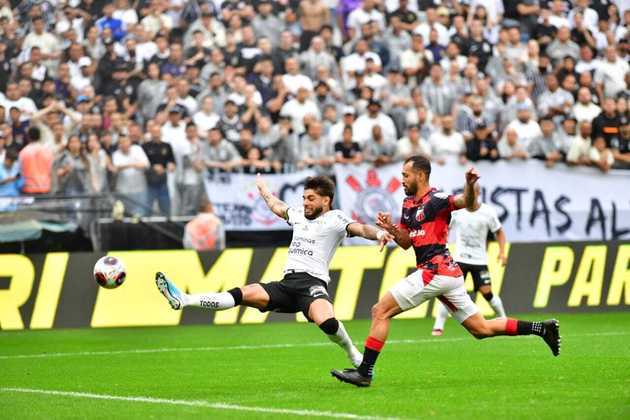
column 528, row 328
column 488, row 296
column 237, row 294
column 369, row 360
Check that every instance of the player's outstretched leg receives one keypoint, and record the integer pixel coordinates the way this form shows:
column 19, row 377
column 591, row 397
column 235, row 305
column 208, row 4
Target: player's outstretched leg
column 382, row 312
column 178, row 300
column 548, row 330
column 440, row 319
column 321, row 312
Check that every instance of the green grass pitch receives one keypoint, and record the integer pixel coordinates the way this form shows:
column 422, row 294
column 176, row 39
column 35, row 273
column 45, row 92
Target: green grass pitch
column 282, row 371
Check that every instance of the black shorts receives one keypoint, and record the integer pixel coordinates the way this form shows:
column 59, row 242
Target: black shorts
column 295, row 293
column 480, row 274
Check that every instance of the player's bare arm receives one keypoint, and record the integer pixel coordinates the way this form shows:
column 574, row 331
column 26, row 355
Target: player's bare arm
column 500, row 235
column 370, row 232
column 277, row 206
column 400, row 236
column 469, row 197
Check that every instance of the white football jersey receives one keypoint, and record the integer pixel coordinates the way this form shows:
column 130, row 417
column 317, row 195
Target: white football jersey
column 471, row 233
column 314, row 241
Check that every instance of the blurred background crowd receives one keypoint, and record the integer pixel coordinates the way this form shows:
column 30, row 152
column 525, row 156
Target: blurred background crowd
column 146, row 98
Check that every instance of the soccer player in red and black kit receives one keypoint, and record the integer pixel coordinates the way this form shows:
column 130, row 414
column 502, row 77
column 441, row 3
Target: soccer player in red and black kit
column 424, row 225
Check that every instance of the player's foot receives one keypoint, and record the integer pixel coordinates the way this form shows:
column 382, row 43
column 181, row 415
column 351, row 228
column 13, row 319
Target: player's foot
column 356, row 357
column 552, row 335
column 436, row 332
column 351, row 376
column 169, row 290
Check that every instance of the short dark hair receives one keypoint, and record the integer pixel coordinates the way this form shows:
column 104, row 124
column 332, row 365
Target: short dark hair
column 420, row 163
column 33, row 134
column 322, row 185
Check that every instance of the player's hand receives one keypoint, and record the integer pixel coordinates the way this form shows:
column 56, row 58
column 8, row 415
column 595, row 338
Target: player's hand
column 260, row 183
column 384, row 220
column 472, row 176
column 385, row 238
column 502, row 259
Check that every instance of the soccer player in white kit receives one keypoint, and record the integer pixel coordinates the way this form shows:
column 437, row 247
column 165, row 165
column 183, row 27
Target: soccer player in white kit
column 471, row 231
column 317, row 231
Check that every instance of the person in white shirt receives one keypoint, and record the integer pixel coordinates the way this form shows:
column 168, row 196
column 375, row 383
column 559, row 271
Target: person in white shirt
column 471, row 229
column 317, row 231
column 580, row 146
column 364, row 14
column 585, row 109
column 412, row 144
column 447, row 142
column 364, row 124
column 610, row 74
column 130, row 163
column 206, row 118
column 293, row 80
column 525, row 126
column 299, row 107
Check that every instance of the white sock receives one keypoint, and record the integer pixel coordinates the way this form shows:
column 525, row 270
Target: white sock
column 216, row 301
column 343, row 340
column 440, row 318
column 497, row 305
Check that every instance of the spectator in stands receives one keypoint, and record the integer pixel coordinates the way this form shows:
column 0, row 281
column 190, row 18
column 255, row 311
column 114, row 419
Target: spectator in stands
column 130, row 163
column 299, row 107
column 545, row 147
column 415, row 60
column 482, row 145
column 601, row 156
column 378, row 150
column 205, row 118
column 607, row 123
column 579, row 151
column 374, row 116
column 316, row 151
column 162, row 161
column 555, row 102
column 527, row 128
column 189, row 169
column 621, row 151
column 562, row 46
column 412, row 144
column 74, row 176
column 205, row 232
column 348, row 151
column 438, row 94
column 100, row 165
column 610, row 74
column 447, row 142
column 510, row 146
column 36, row 161
column 10, row 178
column 584, row 108
column 218, row 153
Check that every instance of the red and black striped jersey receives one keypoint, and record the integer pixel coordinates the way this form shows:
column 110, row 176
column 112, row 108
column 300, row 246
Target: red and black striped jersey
column 426, row 220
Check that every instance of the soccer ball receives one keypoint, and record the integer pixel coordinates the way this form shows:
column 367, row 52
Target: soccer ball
column 109, row 272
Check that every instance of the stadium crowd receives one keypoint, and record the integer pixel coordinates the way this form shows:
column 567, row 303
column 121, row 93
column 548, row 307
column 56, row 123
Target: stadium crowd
column 144, row 98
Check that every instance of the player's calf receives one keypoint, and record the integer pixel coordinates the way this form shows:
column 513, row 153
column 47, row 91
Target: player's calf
column 337, row 333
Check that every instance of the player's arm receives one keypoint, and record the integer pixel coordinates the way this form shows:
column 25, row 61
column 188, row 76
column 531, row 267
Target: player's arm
column 369, row 232
column 399, row 234
column 277, row 206
column 500, row 235
column 469, row 197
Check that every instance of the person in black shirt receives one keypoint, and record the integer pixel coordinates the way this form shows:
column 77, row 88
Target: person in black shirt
column 544, row 32
column 161, row 158
column 346, row 150
column 607, row 123
column 478, row 46
column 621, row 149
column 408, row 19
column 482, row 146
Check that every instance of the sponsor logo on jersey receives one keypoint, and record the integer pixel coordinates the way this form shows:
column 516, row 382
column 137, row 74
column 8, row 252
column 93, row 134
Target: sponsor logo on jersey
column 421, row 233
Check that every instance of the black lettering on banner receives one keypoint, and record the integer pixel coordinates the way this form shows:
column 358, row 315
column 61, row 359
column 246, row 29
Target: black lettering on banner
column 519, row 204
column 560, row 202
column 234, row 214
column 617, row 233
column 596, row 215
column 494, row 198
column 540, row 208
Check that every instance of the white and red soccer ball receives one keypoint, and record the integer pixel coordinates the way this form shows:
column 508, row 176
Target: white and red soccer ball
column 109, row 272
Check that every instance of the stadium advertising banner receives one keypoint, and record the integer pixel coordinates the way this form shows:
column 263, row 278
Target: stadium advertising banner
column 534, row 203
column 237, row 202
column 57, row 290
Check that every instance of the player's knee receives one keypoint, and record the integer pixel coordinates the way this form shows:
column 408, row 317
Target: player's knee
column 379, row 312
column 330, row 326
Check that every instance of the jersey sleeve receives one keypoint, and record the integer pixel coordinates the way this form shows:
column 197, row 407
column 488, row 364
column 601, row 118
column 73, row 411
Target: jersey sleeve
column 340, row 221
column 293, row 215
column 494, row 222
column 444, row 202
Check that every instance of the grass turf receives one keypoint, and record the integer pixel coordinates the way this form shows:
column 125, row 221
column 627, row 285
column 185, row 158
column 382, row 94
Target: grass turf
column 454, row 376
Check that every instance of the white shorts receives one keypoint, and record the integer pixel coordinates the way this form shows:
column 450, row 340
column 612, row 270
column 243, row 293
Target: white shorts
column 412, row 291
